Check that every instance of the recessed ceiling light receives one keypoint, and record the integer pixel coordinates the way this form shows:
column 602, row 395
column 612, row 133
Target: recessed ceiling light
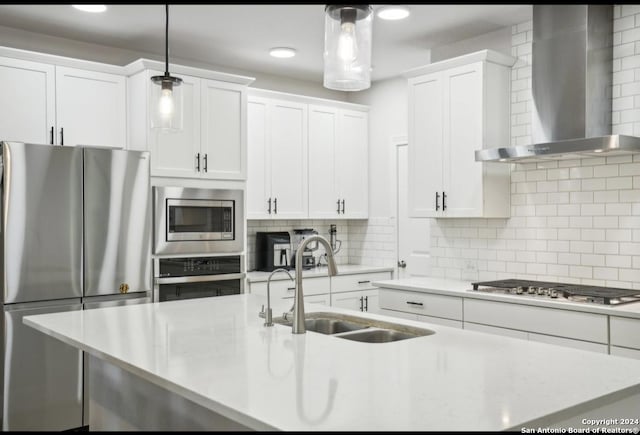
column 282, row 52
column 393, row 12
column 90, row 8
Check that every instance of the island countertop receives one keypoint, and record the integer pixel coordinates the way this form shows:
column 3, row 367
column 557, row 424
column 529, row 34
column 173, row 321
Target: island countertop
column 217, row 353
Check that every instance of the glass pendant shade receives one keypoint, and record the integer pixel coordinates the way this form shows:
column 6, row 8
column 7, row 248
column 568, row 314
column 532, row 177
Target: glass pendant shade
column 166, row 94
column 166, row 103
column 347, row 47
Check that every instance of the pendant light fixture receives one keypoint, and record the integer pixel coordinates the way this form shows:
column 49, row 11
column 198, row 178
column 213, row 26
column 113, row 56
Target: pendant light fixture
column 347, row 47
column 166, row 96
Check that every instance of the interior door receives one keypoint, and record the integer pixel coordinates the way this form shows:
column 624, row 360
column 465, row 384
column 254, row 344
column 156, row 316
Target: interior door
column 258, row 160
column 175, row 154
column 91, row 108
column 323, row 197
column 425, row 145
column 117, row 229
column 28, row 93
column 42, row 375
column 353, row 164
column 288, row 146
column 413, row 233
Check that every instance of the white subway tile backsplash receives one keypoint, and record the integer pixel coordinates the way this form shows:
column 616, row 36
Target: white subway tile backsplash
column 581, row 246
column 605, row 247
column 592, row 184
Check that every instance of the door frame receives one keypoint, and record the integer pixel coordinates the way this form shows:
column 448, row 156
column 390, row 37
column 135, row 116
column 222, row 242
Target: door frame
column 396, row 143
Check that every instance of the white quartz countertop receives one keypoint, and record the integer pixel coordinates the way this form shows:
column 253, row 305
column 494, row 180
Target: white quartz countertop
column 343, row 269
column 217, row 353
column 464, row 289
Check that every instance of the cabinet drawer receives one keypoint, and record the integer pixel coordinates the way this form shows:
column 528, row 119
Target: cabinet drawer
column 623, row 351
column 495, row 330
column 361, row 281
column 625, row 332
column 448, row 307
column 563, row 323
column 286, row 288
column 426, row 319
column 567, row 342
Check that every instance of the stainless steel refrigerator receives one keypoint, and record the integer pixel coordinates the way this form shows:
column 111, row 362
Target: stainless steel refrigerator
column 75, row 234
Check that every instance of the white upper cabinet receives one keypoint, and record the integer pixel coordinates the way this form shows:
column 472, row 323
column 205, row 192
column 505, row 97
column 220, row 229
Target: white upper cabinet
column 456, row 107
column 28, row 94
column 277, row 159
column 212, row 144
column 49, row 104
column 307, row 158
column 90, row 108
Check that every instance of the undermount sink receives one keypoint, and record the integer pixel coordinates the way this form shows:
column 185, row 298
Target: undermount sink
column 358, row 328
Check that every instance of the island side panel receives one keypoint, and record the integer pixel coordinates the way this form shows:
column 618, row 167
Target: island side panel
column 122, row 401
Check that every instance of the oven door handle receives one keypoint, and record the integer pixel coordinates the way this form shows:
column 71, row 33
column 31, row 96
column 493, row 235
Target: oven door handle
column 199, row 278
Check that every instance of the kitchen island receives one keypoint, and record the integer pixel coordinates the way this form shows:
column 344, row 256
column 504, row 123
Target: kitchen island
column 211, row 364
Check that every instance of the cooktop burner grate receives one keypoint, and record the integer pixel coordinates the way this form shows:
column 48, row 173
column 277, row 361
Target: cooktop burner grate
column 588, row 293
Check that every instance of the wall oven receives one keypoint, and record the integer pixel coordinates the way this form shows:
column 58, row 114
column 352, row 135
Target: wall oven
column 198, row 221
column 197, row 277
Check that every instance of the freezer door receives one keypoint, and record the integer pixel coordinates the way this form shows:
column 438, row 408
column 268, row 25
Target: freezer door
column 102, row 302
column 41, row 231
column 117, row 219
column 42, row 375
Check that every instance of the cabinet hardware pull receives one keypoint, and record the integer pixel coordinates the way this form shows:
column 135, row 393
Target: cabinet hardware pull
column 366, row 303
column 361, row 303
column 402, row 264
column 52, row 135
column 338, row 206
column 205, row 162
column 269, row 205
column 420, row 304
column 343, row 206
column 437, row 201
column 444, row 199
column 62, row 136
column 364, row 282
column 198, row 162
column 291, row 288
column 275, row 205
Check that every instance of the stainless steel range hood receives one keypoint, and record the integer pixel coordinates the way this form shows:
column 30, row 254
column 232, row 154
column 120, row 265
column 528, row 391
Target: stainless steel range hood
column 571, row 85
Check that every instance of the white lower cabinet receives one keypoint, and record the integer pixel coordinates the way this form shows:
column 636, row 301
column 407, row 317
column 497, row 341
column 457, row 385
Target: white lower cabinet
column 363, row 300
column 427, row 319
column 324, row 299
column 505, row 332
column 625, row 352
column 424, row 304
column 568, row 342
column 625, row 336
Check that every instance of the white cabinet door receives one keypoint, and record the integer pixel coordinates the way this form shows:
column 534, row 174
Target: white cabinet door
column 288, row 151
column 323, row 300
column 27, row 112
column 462, row 135
column 350, row 301
column 223, row 129
column 90, row 108
column 425, row 145
column 323, row 133
column 176, row 154
column 352, row 164
column 258, row 160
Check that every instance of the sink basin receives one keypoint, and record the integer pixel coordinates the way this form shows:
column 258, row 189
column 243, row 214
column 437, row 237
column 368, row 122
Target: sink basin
column 358, row 328
column 383, row 335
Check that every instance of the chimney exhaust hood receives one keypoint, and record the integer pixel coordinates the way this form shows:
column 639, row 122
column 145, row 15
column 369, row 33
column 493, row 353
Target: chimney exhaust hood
column 572, row 62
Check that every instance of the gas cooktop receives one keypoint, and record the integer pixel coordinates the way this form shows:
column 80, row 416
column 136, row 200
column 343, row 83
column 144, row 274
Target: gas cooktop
column 557, row 290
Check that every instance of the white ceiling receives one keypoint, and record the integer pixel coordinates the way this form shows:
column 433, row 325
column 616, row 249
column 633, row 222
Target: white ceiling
column 239, row 36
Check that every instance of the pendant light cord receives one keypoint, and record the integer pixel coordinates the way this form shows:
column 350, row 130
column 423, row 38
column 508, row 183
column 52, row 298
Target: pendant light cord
column 166, row 41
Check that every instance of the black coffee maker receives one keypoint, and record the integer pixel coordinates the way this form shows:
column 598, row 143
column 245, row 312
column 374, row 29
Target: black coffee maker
column 273, row 250
column 297, row 237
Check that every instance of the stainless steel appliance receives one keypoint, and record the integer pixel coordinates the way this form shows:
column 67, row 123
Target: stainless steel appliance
column 197, row 277
column 273, row 251
column 572, row 54
column 297, row 238
column 198, row 221
column 75, row 233
column 560, row 291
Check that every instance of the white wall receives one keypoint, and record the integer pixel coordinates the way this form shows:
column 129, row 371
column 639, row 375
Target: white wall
column 500, row 40
column 25, row 40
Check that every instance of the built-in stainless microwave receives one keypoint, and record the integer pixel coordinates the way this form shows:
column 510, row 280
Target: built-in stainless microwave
column 197, row 221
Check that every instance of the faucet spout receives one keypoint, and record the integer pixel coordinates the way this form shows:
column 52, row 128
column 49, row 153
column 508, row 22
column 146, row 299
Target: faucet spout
column 298, row 326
